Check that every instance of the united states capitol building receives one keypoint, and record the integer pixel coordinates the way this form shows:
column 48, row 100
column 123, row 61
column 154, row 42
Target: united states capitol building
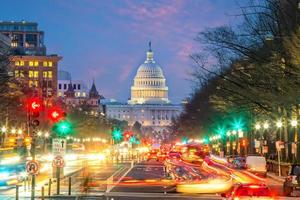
column 149, row 103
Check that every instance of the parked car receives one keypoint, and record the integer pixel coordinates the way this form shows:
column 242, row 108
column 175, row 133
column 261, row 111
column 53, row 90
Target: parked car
column 292, row 181
column 249, row 191
column 257, row 165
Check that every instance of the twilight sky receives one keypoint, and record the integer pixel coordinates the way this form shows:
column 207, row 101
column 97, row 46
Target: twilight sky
column 107, row 39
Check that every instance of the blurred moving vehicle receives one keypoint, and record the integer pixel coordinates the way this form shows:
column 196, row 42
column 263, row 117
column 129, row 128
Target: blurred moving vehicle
column 257, row 165
column 239, row 163
column 161, row 156
column 12, row 167
column 152, row 155
column 249, row 191
column 292, row 181
column 174, row 155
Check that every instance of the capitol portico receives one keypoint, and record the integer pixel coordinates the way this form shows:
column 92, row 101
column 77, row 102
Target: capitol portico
column 149, row 103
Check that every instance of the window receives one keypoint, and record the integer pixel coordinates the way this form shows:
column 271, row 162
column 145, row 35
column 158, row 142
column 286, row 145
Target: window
column 22, row 63
column 59, row 94
column 65, row 86
column 33, row 83
column 36, row 63
column 30, row 74
column 36, row 74
column 22, row 74
column 45, row 74
column 50, row 64
column 84, row 94
column 45, row 63
column 17, row 73
column 49, row 74
column 59, row 86
column 17, row 63
column 30, row 64
column 74, row 86
column 78, row 86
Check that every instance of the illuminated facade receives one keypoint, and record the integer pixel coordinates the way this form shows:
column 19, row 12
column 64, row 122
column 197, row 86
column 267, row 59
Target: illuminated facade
column 37, row 72
column 149, row 104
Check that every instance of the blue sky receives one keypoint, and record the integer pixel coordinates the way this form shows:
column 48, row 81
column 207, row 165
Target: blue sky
column 106, row 40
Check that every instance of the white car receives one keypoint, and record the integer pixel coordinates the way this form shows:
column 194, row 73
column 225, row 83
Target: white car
column 257, row 165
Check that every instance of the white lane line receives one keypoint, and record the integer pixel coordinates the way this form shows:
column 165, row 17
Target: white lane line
column 118, row 181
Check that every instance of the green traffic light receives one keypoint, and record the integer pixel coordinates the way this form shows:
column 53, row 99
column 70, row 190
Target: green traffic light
column 63, row 128
column 117, row 135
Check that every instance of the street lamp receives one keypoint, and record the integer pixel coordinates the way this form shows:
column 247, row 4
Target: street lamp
column 46, row 135
column 20, row 131
column 39, row 133
column 294, row 123
column 257, row 126
column 3, row 129
column 13, row 131
column 266, row 125
column 279, row 124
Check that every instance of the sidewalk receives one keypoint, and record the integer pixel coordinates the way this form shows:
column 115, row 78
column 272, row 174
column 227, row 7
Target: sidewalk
column 276, row 177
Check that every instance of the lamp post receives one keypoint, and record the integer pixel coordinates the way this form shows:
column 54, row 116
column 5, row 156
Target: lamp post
column 263, row 138
column 279, row 125
column 3, row 131
column 294, row 123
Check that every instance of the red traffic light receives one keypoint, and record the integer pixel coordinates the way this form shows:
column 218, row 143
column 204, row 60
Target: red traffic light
column 34, row 104
column 56, row 114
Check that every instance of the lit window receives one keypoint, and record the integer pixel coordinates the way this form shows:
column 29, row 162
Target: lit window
column 14, row 44
column 36, row 63
column 49, row 74
column 22, row 63
column 59, row 94
column 83, row 94
column 17, row 73
column 30, row 74
column 31, row 63
column 45, row 74
column 50, row 64
column 22, row 74
column 36, row 74
column 35, row 83
column 17, row 63
column 30, row 83
column 45, row 63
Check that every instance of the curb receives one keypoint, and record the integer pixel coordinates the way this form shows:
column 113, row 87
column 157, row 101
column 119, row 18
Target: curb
column 273, row 176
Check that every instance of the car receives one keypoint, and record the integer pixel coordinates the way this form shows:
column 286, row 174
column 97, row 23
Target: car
column 292, row 181
column 152, row 155
column 174, row 155
column 257, row 165
column 239, row 163
column 161, row 156
column 248, row 191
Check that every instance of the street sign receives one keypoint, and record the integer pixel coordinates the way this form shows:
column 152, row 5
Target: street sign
column 279, row 145
column 32, row 167
column 256, row 143
column 58, row 162
column 265, row 149
column 59, row 146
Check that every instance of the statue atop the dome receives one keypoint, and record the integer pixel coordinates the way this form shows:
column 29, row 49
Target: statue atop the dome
column 150, row 46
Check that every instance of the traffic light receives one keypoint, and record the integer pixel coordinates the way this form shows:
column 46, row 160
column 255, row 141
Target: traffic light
column 63, row 128
column 117, row 135
column 55, row 114
column 34, row 106
column 127, row 135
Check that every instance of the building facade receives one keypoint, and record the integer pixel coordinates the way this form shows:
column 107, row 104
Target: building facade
column 149, row 103
column 37, row 73
column 26, row 38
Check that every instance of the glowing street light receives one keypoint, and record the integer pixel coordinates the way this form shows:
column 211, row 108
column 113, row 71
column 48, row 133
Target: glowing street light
column 257, row 126
column 46, row 135
column 20, row 131
column 279, row 124
column 13, row 131
column 294, row 123
column 39, row 133
column 266, row 125
column 3, row 129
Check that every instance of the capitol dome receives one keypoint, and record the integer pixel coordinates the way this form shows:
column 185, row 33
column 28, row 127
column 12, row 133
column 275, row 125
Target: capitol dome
column 149, row 83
